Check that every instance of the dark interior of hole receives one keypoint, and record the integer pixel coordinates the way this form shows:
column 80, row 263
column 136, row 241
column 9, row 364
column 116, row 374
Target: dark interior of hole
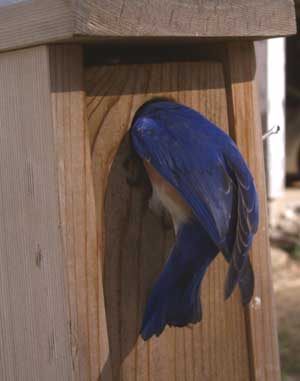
column 135, row 51
column 137, row 244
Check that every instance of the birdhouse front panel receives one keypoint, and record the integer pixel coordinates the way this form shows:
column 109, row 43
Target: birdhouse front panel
column 135, row 241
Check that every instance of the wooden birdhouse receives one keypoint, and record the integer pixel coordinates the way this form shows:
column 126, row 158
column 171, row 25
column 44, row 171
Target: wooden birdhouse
column 79, row 247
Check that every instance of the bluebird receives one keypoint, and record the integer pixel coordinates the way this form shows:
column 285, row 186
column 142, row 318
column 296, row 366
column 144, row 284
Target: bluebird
column 198, row 174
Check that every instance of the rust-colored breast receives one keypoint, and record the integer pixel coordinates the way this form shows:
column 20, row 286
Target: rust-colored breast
column 170, row 196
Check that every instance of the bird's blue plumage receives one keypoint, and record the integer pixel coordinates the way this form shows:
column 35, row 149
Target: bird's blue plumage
column 204, row 165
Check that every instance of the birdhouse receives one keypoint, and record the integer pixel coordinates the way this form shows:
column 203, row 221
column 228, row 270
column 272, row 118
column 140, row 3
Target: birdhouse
column 80, row 249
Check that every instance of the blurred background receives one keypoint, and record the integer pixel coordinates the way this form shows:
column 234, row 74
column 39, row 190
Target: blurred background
column 278, row 65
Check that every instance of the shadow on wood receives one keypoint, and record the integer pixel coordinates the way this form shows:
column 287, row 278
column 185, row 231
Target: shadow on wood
column 133, row 51
column 136, row 247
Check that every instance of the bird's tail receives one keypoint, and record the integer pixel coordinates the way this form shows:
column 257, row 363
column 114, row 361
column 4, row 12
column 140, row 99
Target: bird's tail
column 175, row 299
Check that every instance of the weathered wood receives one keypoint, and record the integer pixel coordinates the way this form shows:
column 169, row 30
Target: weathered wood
column 204, row 18
column 52, row 320
column 34, row 318
column 35, row 22
column 133, row 242
column 89, row 341
column 43, row 21
column 246, row 128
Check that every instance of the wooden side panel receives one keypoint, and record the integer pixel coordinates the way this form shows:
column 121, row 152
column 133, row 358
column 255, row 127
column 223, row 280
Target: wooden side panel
column 134, row 243
column 34, row 319
column 89, row 342
column 246, row 128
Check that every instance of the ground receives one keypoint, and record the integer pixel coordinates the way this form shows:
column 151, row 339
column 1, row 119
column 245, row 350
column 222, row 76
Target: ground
column 285, row 219
column 286, row 276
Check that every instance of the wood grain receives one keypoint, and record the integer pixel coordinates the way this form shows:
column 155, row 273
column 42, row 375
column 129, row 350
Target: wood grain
column 46, row 21
column 34, row 318
column 89, row 341
column 133, row 242
column 52, row 320
column 35, row 22
column 246, row 128
column 204, row 18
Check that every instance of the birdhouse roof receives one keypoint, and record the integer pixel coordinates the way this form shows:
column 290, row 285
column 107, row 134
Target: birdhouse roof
column 31, row 22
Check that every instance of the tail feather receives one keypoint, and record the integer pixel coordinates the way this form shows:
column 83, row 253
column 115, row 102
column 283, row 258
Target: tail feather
column 245, row 278
column 246, row 282
column 175, row 299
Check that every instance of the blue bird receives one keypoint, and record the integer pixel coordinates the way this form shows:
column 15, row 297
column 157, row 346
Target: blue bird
column 198, row 174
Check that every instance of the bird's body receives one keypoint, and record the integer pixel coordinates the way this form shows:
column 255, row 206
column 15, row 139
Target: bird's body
column 200, row 177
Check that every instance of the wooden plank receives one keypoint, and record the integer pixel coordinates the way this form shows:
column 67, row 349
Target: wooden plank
column 246, row 128
column 34, row 318
column 35, row 22
column 52, row 324
column 43, row 21
column 133, row 242
column 204, row 18
column 89, row 341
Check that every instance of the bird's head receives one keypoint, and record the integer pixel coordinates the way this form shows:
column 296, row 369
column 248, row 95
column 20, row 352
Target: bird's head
column 145, row 133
